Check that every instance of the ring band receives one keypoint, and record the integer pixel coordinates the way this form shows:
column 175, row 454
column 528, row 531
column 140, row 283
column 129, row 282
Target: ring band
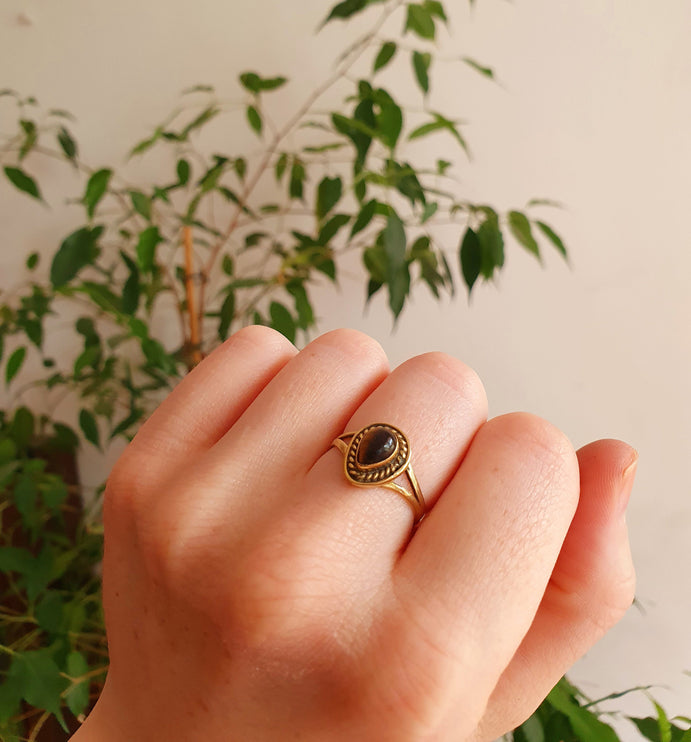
column 376, row 455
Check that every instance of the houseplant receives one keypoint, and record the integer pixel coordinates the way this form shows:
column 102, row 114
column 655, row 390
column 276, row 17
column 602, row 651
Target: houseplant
column 208, row 246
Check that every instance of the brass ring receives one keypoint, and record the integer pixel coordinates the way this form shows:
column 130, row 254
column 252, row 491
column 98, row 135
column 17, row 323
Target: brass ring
column 376, row 455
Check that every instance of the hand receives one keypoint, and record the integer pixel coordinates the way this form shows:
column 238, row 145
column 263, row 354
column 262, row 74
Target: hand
column 251, row 593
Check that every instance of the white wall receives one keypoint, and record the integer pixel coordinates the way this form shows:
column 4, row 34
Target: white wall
column 593, row 109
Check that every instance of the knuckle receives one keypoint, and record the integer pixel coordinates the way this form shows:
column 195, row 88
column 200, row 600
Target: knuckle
column 355, row 345
column 125, row 486
column 260, row 337
column 539, row 444
column 614, row 600
column 458, row 376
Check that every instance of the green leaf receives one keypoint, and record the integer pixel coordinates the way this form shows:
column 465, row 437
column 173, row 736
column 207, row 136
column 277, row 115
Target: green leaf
column 157, row 355
column 303, row 306
column 255, row 120
column 281, row 165
column 33, row 329
column 404, row 178
column 23, row 182
column 297, row 179
column 545, row 202
column 88, row 425
column 146, row 144
column 14, row 363
column 348, row 8
column 131, row 291
column 364, row 217
column 32, row 260
column 253, row 239
column 96, row 188
column 24, row 495
column 428, row 212
column 331, row 228
column 521, row 230
column 440, row 123
column 126, row 423
column 386, row 54
column 250, row 81
column 102, row 296
column 30, row 137
column 16, row 559
column 397, row 273
column 65, row 438
column 49, row 612
column 67, row 144
column 41, row 682
column 663, row 723
column 360, row 129
column 553, row 237
column 141, row 204
column 77, row 697
column 394, row 241
column 485, row 71
column 198, row 89
column 240, row 166
column 53, row 493
column 183, row 172
column 421, row 65
column 204, row 117
column 435, row 8
column 226, row 315
column 77, row 251
column 273, row 83
column 492, row 243
column 22, row 427
column 420, row 21
column 282, row 320
column 470, row 258
column 389, row 119
column 8, row 451
column 149, row 239
column 531, row 730
column 329, row 193
column 585, row 724
column 88, row 357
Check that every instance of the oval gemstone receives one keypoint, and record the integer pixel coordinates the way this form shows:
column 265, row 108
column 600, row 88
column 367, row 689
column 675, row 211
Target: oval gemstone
column 376, row 446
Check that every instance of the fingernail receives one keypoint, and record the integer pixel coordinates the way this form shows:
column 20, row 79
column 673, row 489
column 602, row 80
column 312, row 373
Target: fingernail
column 627, row 478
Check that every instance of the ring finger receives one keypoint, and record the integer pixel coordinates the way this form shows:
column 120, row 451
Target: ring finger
column 439, row 404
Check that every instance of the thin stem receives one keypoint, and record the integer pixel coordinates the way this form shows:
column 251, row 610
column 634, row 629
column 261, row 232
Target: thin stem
column 347, row 61
column 191, row 298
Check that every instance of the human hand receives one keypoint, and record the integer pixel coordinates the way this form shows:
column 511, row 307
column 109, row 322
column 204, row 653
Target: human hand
column 252, row 593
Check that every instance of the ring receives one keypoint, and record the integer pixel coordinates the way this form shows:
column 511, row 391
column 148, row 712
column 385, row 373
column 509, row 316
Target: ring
column 375, row 456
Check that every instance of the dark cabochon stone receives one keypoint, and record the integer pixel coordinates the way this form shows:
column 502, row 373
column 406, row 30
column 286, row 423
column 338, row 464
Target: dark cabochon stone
column 377, row 445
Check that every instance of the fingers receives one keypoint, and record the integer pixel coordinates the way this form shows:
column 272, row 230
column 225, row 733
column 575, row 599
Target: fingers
column 260, row 463
column 590, row 589
column 208, row 401
column 439, row 404
column 471, row 580
column 295, row 419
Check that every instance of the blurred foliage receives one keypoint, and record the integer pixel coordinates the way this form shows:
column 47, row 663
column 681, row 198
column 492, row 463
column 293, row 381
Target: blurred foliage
column 53, row 654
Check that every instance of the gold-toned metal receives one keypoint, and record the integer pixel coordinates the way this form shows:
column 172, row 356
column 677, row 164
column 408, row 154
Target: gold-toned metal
column 382, row 473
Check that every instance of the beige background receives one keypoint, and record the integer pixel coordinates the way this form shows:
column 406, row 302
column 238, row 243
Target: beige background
column 593, row 109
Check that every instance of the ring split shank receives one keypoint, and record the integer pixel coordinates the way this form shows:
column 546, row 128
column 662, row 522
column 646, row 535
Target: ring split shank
column 375, row 456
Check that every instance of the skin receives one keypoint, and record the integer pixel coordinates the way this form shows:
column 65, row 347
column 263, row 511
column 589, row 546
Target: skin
column 252, row 593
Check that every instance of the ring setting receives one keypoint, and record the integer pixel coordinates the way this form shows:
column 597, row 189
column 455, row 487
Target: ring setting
column 375, row 456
